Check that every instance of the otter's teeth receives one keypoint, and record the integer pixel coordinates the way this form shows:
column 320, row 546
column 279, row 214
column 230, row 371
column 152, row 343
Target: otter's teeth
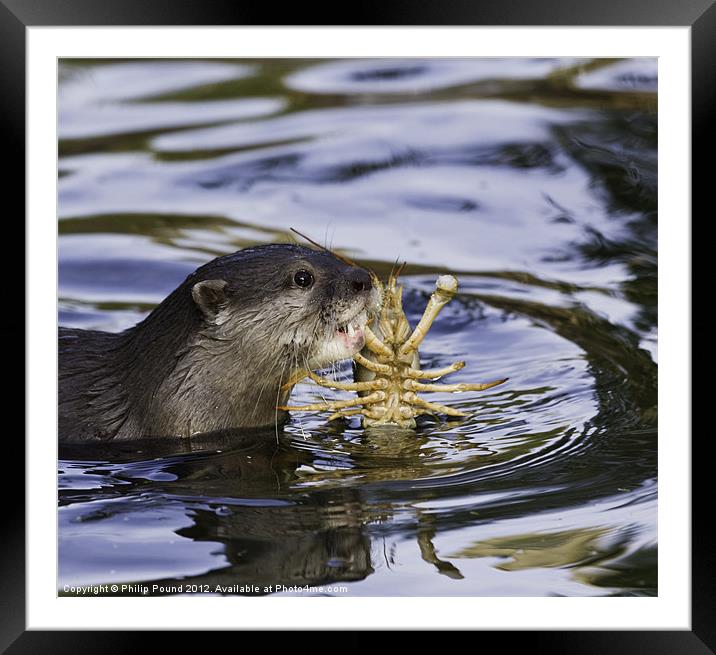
column 351, row 330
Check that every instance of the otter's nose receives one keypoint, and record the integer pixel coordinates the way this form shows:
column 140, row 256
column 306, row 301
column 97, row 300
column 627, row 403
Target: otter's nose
column 359, row 279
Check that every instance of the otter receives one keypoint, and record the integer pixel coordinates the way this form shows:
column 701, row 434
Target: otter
column 217, row 353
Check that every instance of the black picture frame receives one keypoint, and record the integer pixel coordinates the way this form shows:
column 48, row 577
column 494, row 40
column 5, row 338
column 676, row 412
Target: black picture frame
column 699, row 15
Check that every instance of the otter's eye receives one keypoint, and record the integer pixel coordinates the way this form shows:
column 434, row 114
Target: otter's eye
column 303, row 279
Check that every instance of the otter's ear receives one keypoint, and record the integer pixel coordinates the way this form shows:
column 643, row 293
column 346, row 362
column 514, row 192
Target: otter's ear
column 209, row 295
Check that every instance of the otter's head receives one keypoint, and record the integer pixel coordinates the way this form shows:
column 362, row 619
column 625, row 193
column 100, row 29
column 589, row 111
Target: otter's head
column 285, row 302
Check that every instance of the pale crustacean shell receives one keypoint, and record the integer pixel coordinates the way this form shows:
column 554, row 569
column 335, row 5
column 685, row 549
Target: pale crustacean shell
column 387, row 371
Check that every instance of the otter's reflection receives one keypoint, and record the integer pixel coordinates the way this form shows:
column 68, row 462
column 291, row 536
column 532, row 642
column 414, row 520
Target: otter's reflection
column 237, row 490
column 282, row 513
column 321, row 542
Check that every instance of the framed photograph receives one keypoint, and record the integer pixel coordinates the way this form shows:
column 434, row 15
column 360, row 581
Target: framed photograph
column 374, row 320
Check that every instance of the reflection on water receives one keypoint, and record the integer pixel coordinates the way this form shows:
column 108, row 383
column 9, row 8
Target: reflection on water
column 533, row 180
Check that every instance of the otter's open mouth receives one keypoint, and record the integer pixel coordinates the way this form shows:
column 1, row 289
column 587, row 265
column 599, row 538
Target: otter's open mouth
column 351, row 334
column 345, row 340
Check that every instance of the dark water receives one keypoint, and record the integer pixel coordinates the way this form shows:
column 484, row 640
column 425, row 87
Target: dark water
column 534, row 181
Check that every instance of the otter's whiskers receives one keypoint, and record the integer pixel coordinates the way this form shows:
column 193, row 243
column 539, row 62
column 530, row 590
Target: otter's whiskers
column 387, row 375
